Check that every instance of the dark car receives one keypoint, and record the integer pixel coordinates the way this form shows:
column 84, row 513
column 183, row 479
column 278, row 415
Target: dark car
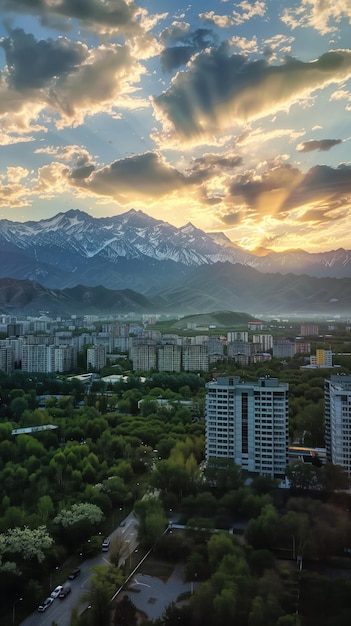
column 66, row 589
column 105, row 544
column 74, row 573
column 45, row 605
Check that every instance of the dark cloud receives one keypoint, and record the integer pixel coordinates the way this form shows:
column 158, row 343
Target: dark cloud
column 251, row 188
column 217, row 90
column 232, row 219
column 321, row 183
column 83, row 172
column 189, row 43
column 90, row 12
column 171, row 58
column 217, row 161
column 33, row 64
column 143, row 175
column 323, row 145
column 286, row 188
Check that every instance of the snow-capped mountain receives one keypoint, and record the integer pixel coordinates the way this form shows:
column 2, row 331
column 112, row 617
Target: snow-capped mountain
column 135, row 251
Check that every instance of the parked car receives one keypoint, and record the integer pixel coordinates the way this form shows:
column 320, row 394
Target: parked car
column 55, row 594
column 45, row 605
column 74, row 573
column 66, row 589
column 106, row 544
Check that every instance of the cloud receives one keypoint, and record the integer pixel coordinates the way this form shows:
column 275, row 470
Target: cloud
column 323, row 16
column 66, row 79
column 102, row 17
column 213, row 163
column 13, row 193
column 188, row 43
column 69, row 154
column 322, row 216
column 34, row 64
column 232, row 219
column 285, row 188
column 247, row 11
column 322, row 145
column 217, row 92
column 141, row 176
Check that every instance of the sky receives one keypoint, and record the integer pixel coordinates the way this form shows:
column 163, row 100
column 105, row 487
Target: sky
column 234, row 116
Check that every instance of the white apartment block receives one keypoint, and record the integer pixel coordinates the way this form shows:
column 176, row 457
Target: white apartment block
column 7, row 359
column 169, row 358
column 96, row 358
column 337, row 396
column 266, row 341
column 195, row 359
column 143, row 357
column 34, row 358
column 238, row 336
column 248, row 423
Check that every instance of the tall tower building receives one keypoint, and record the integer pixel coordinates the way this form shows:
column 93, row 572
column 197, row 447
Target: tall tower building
column 96, row 358
column 169, row 358
column 337, row 396
column 248, row 423
column 195, row 359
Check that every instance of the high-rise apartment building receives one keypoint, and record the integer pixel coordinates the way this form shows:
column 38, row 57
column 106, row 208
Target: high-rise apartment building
column 248, row 423
column 34, row 358
column 96, row 358
column 143, row 356
column 324, row 358
column 266, row 341
column 169, row 358
column 283, row 348
column 309, row 330
column 195, row 358
column 337, row 396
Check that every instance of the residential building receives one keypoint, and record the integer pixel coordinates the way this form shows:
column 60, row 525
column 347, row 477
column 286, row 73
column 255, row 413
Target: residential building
column 34, row 358
column 284, row 348
column 337, row 396
column 265, row 341
column 195, row 359
column 7, row 359
column 309, row 330
column 324, row 358
column 238, row 336
column 169, row 358
column 143, row 356
column 248, row 423
column 96, row 358
column 302, row 347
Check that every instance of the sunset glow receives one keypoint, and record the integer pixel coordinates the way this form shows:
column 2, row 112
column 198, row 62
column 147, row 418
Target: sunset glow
column 235, row 116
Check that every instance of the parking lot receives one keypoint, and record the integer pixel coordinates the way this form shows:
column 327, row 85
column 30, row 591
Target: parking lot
column 151, row 595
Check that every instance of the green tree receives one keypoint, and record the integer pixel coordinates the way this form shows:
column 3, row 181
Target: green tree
column 105, row 580
column 152, row 520
column 45, row 508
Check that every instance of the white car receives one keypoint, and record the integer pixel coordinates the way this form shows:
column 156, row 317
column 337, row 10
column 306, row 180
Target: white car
column 45, row 605
column 55, row 594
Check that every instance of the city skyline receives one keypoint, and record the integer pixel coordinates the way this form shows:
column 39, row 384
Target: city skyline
column 234, row 116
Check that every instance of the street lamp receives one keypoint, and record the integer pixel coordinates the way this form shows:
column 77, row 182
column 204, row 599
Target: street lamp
column 14, row 610
column 51, row 573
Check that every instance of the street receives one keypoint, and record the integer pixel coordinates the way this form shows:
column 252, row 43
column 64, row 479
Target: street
column 60, row 610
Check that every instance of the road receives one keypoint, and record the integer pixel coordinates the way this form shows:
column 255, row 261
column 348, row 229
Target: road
column 60, row 610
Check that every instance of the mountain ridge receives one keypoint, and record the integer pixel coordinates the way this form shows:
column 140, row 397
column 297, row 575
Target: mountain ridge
column 206, row 288
column 134, row 250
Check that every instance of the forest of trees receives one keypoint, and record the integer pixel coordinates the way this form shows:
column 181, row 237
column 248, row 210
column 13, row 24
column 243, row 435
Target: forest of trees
column 61, row 487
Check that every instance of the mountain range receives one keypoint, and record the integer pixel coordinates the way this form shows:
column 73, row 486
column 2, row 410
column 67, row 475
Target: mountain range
column 139, row 263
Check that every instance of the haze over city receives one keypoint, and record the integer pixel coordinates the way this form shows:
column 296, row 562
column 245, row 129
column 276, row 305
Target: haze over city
column 233, row 115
